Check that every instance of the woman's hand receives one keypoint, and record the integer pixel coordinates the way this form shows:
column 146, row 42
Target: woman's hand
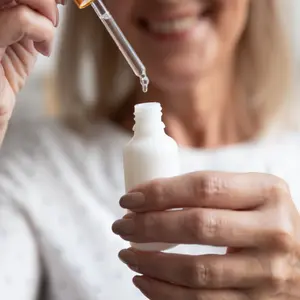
column 26, row 28
column 251, row 214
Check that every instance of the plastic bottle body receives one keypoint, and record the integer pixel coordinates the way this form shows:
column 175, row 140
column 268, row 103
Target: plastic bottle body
column 150, row 154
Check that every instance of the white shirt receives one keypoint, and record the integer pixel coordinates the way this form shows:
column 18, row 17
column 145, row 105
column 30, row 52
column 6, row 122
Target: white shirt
column 59, row 195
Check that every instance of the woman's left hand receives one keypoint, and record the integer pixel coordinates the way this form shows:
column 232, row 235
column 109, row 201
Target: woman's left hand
column 251, row 214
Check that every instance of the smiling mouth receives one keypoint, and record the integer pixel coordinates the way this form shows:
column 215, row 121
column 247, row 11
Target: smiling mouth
column 173, row 25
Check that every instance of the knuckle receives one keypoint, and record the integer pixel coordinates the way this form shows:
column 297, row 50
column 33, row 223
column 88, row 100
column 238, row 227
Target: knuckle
column 156, row 190
column 23, row 13
column 278, row 189
column 278, row 275
column 203, row 225
column 282, row 239
column 51, row 32
column 24, row 16
column 204, row 275
column 209, row 186
column 201, row 275
column 282, row 234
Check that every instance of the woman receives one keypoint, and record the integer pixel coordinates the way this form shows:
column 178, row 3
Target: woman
column 221, row 71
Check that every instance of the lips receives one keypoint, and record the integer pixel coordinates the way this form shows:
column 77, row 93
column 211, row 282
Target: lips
column 172, row 26
column 174, row 23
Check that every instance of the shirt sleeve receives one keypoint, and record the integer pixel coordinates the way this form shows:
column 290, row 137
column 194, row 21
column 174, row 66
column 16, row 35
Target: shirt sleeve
column 19, row 258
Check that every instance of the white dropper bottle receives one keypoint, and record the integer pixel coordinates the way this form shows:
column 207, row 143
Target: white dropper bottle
column 150, row 154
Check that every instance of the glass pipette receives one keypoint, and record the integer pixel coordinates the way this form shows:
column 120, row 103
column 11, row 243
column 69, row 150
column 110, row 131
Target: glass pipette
column 126, row 49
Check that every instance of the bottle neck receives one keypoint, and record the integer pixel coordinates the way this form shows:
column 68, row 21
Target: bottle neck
column 149, row 126
column 148, row 120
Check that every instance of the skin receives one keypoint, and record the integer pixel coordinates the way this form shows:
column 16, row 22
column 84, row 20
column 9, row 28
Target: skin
column 253, row 215
column 26, row 29
column 193, row 79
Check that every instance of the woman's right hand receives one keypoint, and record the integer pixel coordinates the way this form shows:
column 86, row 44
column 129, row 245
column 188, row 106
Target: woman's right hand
column 26, row 29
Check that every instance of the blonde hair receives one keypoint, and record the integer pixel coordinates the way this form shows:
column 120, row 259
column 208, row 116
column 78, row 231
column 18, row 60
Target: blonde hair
column 263, row 68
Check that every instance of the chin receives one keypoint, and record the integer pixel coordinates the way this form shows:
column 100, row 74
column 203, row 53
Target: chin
column 183, row 66
column 175, row 82
column 179, row 74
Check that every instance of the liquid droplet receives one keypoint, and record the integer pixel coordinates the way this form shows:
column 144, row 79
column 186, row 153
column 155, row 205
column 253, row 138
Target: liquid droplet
column 144, row 83
column 145, row 88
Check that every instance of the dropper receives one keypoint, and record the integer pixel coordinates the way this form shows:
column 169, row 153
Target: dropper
column 126, row 49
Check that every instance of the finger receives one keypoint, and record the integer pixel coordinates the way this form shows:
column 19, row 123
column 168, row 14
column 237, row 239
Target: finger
column 204, row 189
column 19, row 22
column 195, row 226
column 157, row 290
column 17, row 62
column 46, row 7
column 205, row 271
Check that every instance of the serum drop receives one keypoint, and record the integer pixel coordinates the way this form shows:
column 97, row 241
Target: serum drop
column 150, row 154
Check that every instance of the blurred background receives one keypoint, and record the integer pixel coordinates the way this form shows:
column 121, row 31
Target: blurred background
column 34, row 100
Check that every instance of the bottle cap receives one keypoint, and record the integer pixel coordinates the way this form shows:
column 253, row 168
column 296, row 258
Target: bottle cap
column 83, row 3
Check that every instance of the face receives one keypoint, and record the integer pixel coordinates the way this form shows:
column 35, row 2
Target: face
column 181, row 41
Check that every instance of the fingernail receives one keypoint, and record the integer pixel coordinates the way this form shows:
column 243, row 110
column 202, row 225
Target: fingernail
column 132, row 200
column 129, row 258
column 123, row 227
column 140, row 282
column 43, row 48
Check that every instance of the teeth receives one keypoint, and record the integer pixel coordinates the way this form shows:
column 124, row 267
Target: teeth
column 173, row 26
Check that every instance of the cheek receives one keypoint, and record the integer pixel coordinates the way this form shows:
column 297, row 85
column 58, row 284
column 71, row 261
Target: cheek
column 121, row 11
column 184, row 66
column 232, row 21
